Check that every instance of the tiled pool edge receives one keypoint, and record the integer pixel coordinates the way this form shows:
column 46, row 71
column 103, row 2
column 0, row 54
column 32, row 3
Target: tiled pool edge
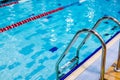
column 81, row 67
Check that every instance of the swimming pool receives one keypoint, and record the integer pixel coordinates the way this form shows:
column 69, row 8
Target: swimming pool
column 29, row 51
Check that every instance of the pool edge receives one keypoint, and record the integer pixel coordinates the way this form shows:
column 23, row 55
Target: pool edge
column 82, row 66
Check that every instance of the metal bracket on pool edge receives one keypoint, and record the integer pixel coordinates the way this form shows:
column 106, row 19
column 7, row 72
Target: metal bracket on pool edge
column 117, row 66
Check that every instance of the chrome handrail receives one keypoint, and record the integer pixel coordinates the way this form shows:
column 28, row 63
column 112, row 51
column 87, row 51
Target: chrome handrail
column 73, row 41
column 117, row 67
column 94, row 27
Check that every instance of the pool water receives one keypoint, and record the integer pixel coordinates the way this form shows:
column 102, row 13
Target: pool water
column 31, row 50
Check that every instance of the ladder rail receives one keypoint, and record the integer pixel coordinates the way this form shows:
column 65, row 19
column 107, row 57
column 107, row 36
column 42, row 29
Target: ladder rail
column 94, row 27
column 73, row 41
column 117, row 67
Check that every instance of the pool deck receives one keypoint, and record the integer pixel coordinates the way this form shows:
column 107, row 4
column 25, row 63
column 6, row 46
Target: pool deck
column 91, row 68
column 111, row 74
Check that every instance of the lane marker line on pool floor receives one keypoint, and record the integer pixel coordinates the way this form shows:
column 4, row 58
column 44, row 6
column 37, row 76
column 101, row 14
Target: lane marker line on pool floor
column 34, row 18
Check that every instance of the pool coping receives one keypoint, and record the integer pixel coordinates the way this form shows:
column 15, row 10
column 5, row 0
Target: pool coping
column 71, row 75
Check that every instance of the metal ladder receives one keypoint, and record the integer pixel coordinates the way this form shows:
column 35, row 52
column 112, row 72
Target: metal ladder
column 83, row 42
column 93, row 28
column 76, row 58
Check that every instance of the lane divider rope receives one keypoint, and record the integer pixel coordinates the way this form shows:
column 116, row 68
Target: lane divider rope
column 8, row 4
column 34, row 18
column 29, row 19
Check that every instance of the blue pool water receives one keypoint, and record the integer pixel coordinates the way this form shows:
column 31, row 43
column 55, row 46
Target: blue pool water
column 30, row 52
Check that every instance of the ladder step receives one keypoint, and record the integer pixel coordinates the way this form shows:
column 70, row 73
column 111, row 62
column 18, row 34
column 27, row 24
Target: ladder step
column 71, row 64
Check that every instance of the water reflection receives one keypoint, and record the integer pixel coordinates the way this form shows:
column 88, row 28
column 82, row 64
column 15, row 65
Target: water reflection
column 69, row 21
column 53, row 36
column 90, row 14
